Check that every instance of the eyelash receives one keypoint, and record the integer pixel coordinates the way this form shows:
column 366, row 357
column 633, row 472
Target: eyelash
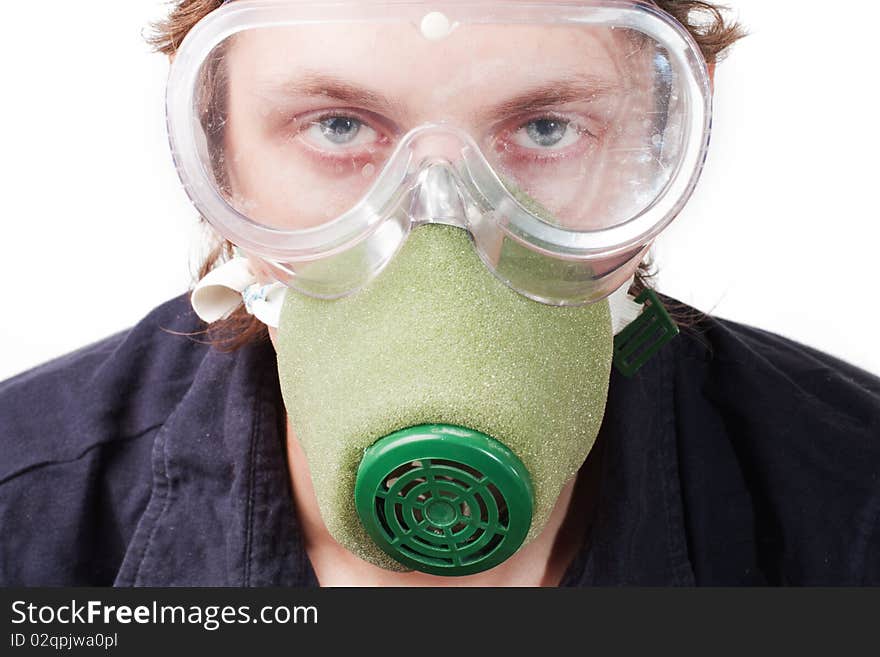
column 544, row 155
column 302, row 123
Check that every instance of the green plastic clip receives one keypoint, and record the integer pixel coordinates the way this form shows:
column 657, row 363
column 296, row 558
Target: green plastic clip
column 637, row 343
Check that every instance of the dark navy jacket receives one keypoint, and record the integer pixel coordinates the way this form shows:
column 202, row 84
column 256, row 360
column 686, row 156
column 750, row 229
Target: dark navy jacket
column 734, row 457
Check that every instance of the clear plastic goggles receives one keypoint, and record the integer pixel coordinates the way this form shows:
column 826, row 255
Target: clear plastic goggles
column 563, row 136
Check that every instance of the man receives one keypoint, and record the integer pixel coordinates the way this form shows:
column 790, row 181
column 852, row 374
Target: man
column 453, row 207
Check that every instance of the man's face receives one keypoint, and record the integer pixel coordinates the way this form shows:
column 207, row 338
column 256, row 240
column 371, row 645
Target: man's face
column 563, row 115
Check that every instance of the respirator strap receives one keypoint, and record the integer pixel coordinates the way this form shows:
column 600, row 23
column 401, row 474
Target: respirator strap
column 641, row 326
column 624, row 309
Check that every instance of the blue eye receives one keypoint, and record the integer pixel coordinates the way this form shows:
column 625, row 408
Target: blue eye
column 340, row 129
column 546, row 132
column 340, row 133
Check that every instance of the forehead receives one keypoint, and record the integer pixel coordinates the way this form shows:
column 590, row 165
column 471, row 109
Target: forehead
column 399, row 60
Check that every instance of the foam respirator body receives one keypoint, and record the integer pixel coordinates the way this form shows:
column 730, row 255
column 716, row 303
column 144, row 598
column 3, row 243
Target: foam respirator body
column 441, row 412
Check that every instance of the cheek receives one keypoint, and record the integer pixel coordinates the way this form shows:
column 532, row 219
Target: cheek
column 273, row 337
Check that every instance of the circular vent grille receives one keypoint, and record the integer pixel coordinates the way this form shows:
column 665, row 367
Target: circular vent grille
column 444, row 500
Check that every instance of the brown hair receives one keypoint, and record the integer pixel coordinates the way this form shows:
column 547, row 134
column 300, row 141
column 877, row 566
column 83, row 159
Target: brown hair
column 705, row 21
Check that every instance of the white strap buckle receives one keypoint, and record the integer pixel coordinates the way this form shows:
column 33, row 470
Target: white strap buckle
column 225, row 288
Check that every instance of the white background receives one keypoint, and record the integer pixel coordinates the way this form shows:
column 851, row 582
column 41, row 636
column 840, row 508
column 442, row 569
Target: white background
column 782, row 232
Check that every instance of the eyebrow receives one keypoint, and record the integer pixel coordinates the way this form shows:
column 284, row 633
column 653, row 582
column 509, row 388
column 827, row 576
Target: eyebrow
column 549, row 94
column 320, row 85
column 553, row 93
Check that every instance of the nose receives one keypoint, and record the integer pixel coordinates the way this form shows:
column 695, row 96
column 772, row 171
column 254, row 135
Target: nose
column 434, row 142
column 437, row 198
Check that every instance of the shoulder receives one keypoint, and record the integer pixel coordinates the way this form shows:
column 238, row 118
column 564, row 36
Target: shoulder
column 763, row 369
column 108, row 391
column 780, row 449
column 76, row 434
